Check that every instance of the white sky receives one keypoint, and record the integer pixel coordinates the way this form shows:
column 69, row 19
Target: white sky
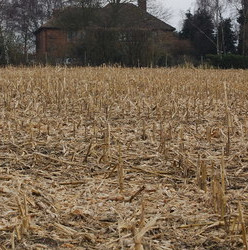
column 179, row 8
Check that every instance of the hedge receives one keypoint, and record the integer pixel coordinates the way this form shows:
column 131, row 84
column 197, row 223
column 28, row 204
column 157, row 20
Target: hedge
column 228, row 61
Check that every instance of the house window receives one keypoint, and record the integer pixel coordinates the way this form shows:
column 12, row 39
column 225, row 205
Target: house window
column 75, row 35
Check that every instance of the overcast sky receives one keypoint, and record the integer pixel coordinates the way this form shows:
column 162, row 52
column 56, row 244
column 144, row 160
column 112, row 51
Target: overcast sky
column 178, row 7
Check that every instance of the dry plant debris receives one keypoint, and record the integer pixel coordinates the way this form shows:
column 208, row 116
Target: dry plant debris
column 115, row 158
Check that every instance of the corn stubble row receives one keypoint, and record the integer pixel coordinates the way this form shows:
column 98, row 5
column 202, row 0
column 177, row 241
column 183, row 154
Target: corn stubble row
column 123, row 158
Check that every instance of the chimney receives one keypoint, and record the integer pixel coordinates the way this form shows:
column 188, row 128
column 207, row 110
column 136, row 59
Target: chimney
column 142, row 4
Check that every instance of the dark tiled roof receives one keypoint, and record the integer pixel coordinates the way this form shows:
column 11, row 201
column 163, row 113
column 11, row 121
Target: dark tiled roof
column 121, row 16
column 48, row 25
column 131, row 16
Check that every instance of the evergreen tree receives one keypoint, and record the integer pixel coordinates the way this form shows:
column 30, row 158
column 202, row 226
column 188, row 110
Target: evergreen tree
column 243, row 32
column 187, row 31
column 227, row 37
column 199, row 29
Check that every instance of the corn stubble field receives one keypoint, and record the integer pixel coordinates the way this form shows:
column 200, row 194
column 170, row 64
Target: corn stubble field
column 114, row 158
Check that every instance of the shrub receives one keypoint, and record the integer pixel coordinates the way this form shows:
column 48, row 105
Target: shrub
column 228, row 61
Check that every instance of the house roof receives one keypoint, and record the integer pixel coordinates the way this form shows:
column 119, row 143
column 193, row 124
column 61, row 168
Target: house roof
column 121, row 16
column 131, row 16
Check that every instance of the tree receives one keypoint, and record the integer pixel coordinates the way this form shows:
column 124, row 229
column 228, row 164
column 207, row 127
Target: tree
column 22, row 20
column 240, row 7
column 3, row 60
column 215, row 8
column 9, row 48
column 227, row 38
column 158, row 9
column 199, row 29
column 204, row 5
column 49, row 6
column 243, row 33
column 2, row 38
column 85, row 3
column 23, row 17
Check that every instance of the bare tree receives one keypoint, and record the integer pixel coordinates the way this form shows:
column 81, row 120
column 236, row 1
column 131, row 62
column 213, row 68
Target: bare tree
column 241, row 13
column 4, row 58
column 158, row 9
column 23, row 17
column 244, row 26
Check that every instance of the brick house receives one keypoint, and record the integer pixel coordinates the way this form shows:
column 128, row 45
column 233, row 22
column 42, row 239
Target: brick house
column 71, row 33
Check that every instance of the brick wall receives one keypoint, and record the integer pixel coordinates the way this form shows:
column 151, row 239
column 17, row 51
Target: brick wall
column 51, row 43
